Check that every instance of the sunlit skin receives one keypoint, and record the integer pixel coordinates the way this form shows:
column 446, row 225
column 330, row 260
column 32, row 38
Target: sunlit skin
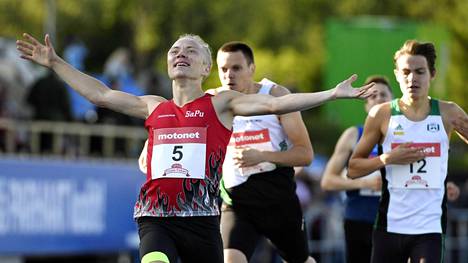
column 380, row 94
column 413, row 74
column 187, row 59
column 414, row 77
column 235, row 73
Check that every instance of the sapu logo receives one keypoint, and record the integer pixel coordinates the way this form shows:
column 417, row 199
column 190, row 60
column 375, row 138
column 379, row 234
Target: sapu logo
column 192, row 114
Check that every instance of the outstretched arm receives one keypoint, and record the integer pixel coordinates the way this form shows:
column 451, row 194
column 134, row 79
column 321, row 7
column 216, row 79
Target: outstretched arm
column 301, row 152
column 92, row 89
column 333, row 179
column 259, row 104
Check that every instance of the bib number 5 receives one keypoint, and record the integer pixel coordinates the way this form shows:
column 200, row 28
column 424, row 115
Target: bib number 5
column 177, row 153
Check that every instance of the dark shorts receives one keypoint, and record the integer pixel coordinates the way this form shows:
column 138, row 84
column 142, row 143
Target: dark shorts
column 191, row 239
column 358, row 236
column 283, row 225
column 396, row 248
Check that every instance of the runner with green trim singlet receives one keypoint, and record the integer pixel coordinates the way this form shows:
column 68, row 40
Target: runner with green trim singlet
column 413, row 133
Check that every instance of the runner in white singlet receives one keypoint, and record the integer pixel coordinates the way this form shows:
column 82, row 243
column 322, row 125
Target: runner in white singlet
column 413, row 132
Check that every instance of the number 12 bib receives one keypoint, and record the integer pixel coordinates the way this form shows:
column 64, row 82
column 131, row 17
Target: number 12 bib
column 179, row 153
column 422, row 174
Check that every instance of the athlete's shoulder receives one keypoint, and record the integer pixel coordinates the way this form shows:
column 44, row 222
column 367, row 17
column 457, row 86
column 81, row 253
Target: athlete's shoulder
column 276, row 89
column 215, row 91
column 152, row 101
column 351, row 135
column 380, row 110
column 448, row 107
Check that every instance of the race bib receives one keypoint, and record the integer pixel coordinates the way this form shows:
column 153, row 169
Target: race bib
column 179, row 153
column 259, row 140
column 422, row 174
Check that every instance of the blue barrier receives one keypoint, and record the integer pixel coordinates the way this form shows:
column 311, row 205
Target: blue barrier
column 58, row 207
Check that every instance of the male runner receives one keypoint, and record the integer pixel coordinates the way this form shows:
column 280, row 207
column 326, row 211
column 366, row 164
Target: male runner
column 177, row 210
column 413, row 135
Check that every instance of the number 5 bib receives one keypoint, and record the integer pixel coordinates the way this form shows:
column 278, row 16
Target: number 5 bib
column 179, row 153
column 423, row 174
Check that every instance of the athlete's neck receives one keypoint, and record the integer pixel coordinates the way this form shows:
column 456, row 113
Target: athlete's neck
column 251, row 88
column 186, row 90
column 415, row 108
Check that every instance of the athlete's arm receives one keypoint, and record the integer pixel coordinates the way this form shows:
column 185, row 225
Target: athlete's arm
column 300, row 154
column 259, row 104
column 92, row 89
column 333, row 179
column 374, row 130
column 142, row 158
column 455, row 118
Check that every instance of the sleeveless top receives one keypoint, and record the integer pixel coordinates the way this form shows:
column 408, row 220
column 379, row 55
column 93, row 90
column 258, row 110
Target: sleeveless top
column 414, row 198
column 260, row 132
column 186, row 149
column 362, row 204
column 264, row 184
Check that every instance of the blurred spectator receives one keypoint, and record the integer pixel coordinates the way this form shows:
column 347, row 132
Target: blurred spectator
column 119, row 67
column 106, row 116
column 75, row 53
column 49, row 100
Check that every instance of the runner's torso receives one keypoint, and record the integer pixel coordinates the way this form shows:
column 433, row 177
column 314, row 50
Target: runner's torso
column 413, row 201
column 186, row 147
column 264, row 181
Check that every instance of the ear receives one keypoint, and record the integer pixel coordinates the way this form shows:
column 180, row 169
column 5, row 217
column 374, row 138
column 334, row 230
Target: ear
column 206, row 70
column 252, row 68
column 433, row 74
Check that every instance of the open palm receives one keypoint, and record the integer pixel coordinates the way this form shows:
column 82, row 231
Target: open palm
column 33, row 50
column 345, row 90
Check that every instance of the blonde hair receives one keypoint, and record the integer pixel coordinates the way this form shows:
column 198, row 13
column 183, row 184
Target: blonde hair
column 203, row 44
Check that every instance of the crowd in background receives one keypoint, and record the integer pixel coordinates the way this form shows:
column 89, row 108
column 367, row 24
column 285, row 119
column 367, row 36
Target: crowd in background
column 41, row 96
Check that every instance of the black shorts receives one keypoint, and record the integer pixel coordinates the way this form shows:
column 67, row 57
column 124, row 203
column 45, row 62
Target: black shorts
column 283, row 225
column 191, row 239
column 358, row 236
column 396, row 248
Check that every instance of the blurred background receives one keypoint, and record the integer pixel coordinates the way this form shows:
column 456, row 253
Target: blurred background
column 68, row 170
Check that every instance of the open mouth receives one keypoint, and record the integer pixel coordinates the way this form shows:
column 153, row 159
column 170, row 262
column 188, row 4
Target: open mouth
column 181, row 64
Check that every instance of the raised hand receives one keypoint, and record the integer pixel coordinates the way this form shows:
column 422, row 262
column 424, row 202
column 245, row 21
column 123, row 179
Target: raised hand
column 345, row 90
column 33, row 50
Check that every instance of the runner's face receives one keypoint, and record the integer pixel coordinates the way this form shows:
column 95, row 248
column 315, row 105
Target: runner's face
column 413, row 75
column 234, row 72
column 187, row 59
column 381, row 94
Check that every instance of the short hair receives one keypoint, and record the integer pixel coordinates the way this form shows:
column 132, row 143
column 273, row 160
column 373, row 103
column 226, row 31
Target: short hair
column 235, row 46
column 413, row 47
column 202, row 43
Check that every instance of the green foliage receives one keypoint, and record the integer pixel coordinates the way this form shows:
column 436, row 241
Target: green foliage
column 288, row 36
